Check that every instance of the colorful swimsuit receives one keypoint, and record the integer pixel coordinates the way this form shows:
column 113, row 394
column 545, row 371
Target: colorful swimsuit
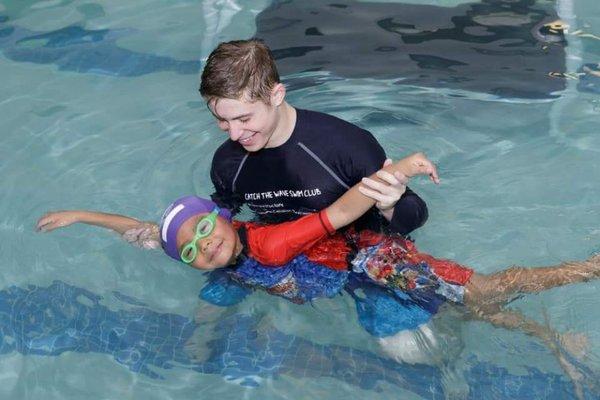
column 302, row 260
column 292, row 260
column 396, row 264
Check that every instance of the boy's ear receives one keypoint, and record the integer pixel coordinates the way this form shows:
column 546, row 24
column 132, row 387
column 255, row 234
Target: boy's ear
column 277, row 94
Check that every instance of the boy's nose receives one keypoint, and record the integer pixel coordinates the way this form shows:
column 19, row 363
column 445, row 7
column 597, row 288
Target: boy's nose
column 235, row 132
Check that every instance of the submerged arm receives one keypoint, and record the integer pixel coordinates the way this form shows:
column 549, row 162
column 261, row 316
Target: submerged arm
column 353, row 204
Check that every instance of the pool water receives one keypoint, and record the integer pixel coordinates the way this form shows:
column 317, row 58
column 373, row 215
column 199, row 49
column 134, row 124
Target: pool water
column 101, row 110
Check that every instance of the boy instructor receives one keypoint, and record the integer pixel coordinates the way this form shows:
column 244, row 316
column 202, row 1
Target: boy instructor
column 285, row 162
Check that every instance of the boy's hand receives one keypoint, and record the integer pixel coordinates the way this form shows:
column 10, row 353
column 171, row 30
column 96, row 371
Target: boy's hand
column 386, row 193
column 57, row 219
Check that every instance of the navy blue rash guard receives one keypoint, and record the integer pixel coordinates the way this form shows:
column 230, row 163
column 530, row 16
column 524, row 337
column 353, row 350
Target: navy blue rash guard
column 322, row 159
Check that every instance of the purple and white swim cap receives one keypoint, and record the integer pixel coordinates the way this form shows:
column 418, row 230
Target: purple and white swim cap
column 179, row 212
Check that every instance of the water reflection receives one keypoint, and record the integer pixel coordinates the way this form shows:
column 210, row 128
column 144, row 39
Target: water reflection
column 497, row 47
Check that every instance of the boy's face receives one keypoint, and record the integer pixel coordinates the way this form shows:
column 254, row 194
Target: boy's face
column 219, row 249
column 250, row 123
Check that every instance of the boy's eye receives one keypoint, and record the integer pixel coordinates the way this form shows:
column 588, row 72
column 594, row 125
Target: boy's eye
column 244, row 120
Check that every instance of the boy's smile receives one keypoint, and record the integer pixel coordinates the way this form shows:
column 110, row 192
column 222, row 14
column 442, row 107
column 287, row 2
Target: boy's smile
column 254, row 124
column 249, row 124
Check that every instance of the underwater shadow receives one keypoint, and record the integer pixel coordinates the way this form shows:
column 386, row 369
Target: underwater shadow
column 49, row 321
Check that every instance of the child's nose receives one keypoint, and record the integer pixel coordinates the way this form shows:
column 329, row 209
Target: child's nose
column 205, row 245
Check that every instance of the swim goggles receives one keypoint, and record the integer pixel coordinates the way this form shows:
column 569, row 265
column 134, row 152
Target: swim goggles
column 204, row 228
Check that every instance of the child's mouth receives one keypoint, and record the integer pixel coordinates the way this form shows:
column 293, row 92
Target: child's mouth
column 216, row 250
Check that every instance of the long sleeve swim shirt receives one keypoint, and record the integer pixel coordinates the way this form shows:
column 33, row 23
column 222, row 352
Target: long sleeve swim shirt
column 321, row 160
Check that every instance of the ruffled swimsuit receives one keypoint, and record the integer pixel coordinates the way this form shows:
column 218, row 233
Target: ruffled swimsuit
column 304, row 259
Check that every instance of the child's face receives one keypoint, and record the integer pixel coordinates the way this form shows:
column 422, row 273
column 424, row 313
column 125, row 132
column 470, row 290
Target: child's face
column 251, row 124
column 217, row 250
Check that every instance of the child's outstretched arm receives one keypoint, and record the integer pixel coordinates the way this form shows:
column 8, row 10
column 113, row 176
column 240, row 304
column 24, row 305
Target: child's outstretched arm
column 353, row 204
column 142, row 234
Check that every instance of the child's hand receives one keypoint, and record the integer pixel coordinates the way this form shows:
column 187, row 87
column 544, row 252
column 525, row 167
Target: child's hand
column 57, row 219
column 421, row 165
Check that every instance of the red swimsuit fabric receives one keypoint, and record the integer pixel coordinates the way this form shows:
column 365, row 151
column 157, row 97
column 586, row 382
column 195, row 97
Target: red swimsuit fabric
column 276, row 245
column 313, row 236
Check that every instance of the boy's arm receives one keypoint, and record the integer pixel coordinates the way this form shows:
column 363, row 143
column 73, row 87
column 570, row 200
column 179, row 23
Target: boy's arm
column 222, row 172
column 360, row 156
column 354, row 203
column 142, row 234
column 227, row 199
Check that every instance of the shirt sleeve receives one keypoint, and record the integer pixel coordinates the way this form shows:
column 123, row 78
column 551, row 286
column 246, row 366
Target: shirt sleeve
column 410, row 213
column 364, row 158
column 221, row 177
column 361, row 156
column 275, row 245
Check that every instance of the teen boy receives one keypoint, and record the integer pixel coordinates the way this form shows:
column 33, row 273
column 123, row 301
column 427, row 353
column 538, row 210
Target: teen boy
column 285, row 162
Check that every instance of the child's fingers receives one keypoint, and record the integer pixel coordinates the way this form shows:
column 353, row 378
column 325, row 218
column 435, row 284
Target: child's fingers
column 433, row 175
column 49, row 222
column 42, row 222
column 425, row 166
column 47, row 227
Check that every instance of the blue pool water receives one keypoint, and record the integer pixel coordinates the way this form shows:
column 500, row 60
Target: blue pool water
column 100, row 110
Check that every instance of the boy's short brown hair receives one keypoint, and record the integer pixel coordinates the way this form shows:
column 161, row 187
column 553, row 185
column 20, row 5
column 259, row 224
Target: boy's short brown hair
column 239, row 68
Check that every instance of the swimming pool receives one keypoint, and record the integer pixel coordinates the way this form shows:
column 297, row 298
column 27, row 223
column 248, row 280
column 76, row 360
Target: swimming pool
column 100, row 110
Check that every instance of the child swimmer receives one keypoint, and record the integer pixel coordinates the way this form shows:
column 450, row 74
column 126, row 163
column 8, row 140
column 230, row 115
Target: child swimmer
column 198, row 233
column 202, row 235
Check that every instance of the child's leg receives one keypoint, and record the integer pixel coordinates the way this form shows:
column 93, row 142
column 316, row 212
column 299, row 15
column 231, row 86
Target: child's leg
column 501, row 286
column 563, row 346
column 485, row 294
